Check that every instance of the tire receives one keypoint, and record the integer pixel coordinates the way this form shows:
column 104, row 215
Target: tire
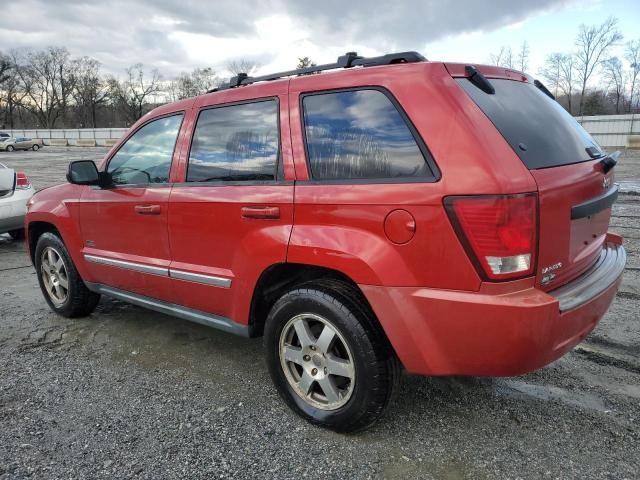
column 17, row 234
column 74, row 301
column 35, row 147
column 10, row 148
column 359, row 347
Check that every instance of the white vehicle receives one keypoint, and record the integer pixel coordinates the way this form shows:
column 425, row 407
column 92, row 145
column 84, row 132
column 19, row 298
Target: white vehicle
column 15, row 192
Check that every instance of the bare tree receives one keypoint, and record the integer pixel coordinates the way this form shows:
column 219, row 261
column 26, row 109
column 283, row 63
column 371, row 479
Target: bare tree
column 559, row 72
column 613, row 74
column 242, row 65
column 11, row 93
column 305, row 62
column 523, row 56
column 46, row 77
column 593, row 43
column 132, row 95
column 632, row 55
column 90, row 90
column 5, row 66
column 504, row 58
column 198, row 82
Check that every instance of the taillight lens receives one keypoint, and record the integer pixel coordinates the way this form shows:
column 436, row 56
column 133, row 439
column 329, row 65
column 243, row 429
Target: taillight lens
column 498, row 231
column 22, row 182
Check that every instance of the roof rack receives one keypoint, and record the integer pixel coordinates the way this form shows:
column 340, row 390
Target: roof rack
column 350, row 59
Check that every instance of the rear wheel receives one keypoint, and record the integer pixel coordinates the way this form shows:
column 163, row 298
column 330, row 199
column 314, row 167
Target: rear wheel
column 17, row 234
column 61, row 285
column 328, row 357
column 35, row 147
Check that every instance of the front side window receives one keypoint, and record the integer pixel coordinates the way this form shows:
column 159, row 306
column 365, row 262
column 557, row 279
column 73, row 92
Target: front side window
column 359, row 134
column 146, row 155
column 235, row 143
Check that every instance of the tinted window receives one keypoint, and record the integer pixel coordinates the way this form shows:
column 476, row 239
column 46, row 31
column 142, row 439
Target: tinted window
column 146, row 156
column 235, row 143
column 359, row 134
column 539, row 130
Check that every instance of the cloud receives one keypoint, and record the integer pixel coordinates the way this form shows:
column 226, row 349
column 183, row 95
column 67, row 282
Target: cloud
column 177, row 35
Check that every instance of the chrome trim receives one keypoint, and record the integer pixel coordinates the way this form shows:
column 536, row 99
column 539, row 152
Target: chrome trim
column 136, row 267
column 594, row 281
column 200, row 278
column 197, row 316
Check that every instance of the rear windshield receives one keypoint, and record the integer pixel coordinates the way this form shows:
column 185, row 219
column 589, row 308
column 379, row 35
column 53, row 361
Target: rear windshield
column 539, row 130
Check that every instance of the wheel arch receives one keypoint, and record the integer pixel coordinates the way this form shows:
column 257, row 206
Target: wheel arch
column 35, row 230
column 279, row 278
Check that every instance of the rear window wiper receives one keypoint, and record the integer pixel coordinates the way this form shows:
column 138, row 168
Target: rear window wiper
column 479, row 80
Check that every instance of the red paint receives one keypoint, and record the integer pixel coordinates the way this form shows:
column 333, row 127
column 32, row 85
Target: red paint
column 394, row 240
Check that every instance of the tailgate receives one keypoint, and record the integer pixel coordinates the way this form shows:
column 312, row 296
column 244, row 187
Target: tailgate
column 575, row 208
column 575, row 187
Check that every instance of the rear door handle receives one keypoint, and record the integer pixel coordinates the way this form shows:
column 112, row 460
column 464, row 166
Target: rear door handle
column 147, row 209
column 260, row 212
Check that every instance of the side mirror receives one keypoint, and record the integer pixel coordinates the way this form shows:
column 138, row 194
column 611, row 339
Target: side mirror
column 85, row 172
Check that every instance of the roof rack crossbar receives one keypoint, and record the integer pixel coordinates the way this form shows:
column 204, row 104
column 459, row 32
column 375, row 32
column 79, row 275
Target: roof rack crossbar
column 350, row 59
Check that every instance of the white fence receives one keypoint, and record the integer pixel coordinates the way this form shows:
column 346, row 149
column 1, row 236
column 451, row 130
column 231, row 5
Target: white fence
column 614, row 130
column 86, row 136
column 608, row 130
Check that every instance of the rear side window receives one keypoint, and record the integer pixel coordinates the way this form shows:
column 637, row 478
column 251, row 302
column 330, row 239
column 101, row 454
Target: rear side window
column 146, row 155
column 235, row 143
column 360, row 134
column 539, row 130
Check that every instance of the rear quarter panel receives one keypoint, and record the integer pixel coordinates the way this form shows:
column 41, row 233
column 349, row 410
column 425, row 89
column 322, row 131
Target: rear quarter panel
column 340, row 226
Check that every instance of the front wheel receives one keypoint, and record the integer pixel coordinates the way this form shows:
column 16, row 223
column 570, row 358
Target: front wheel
column 35, row 147
column 10, row 148
column 61, row 285
column 328, row 357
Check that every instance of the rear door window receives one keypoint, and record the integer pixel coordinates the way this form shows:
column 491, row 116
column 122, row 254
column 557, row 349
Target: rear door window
column 235, row 143
column 540, row 131
column 360, row 134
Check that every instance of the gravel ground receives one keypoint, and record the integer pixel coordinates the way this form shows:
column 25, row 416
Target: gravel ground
column 129, row 393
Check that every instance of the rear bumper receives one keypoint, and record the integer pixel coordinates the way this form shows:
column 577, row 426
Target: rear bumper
column 443, row 332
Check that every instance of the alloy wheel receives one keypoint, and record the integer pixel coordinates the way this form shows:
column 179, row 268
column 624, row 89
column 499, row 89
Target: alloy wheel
column 317, row 361
column 54, row 275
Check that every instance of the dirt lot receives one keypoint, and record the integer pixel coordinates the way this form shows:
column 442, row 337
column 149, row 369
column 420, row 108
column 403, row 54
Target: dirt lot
column 129, row 393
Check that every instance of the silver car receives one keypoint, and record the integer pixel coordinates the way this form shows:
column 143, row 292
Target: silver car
column 15, row 192
column 18, row 143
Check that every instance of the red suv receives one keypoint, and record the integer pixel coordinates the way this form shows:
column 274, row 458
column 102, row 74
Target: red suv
column 363, row 216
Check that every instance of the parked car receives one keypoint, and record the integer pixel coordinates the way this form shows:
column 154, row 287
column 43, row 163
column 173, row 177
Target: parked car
column 19, row 143
column 448, row 219
column 15, row 192
column 4, row 135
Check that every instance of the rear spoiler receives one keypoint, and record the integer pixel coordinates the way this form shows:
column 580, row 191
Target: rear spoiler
column 459, row 70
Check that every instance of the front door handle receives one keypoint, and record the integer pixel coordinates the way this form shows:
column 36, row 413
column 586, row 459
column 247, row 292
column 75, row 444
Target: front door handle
column 147, row 209
column 260, row 212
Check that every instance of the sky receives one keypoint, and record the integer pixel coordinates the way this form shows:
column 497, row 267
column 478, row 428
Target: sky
column 177, row 35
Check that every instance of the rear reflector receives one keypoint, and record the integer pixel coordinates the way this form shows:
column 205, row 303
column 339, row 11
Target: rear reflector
column 499, row 232
column 22, row 182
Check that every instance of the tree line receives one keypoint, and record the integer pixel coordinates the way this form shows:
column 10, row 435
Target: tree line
column 587, row 79
column 49, row 88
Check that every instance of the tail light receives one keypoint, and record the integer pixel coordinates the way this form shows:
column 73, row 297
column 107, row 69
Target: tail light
column 499, row 232
column 22, row 182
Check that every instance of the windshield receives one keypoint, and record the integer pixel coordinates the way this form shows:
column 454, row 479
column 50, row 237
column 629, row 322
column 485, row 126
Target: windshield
column 539, row 130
